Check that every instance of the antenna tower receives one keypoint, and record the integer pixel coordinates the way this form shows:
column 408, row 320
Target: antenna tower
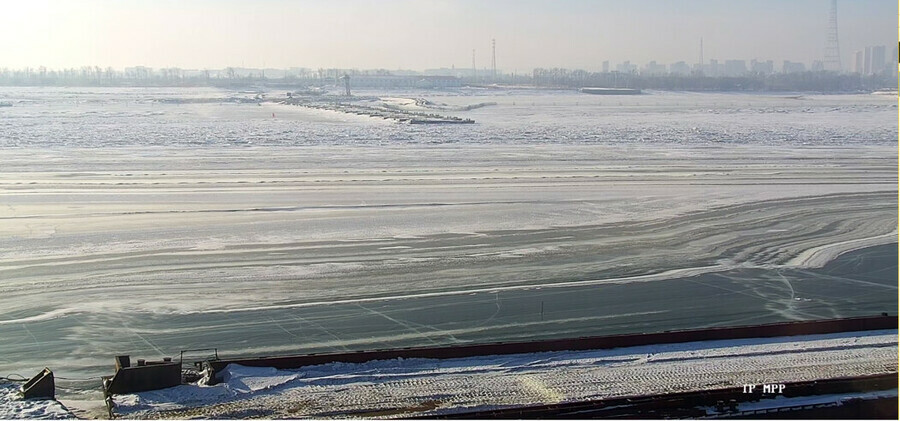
column 493, row 59
column 474, row 69
column 701, row 54
column 832, row 49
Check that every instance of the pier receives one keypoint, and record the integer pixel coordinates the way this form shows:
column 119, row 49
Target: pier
column 376, row 111
column 359, row 105
column 611, row 91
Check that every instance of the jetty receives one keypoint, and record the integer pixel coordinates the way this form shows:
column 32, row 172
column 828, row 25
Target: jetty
column 367, row 106
column 359, row 105
column 611, row 91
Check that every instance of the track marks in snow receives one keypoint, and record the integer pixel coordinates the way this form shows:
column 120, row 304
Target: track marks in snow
column 342, row 389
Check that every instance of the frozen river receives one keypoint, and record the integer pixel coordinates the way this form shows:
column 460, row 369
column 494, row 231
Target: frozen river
column 121, row 117
column 131, row 226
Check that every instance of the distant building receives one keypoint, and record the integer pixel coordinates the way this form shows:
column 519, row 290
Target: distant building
column 713, row 68
column 606, row 66
column 878, row 59
column 654, row 69
column 680, row 68
column 792, row 67
column 895, row 59
column 443, row 71
column 867, row 61
column 858, row 62
column 762, row 67
column 817, row 66
column 626, row 67
column 735, row 68
column 873, row 60
column 405, row 81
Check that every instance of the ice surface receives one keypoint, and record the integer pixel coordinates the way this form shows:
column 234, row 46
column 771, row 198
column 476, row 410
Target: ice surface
column 104, row 117
column 129, row 225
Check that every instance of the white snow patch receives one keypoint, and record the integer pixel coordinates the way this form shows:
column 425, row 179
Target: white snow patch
column 178, row 397
column 243, row 379
column 12, row 406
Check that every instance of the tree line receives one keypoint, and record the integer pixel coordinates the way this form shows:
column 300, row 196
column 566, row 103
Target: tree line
column 818, row 81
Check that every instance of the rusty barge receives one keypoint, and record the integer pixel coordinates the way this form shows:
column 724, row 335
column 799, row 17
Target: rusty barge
column 577, row 344
column 727, row 402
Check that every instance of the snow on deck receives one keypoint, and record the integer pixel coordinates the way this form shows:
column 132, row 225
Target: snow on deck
column 402, row 387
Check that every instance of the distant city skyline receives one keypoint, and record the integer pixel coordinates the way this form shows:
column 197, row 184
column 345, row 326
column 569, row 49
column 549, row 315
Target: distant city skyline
column 422, row 34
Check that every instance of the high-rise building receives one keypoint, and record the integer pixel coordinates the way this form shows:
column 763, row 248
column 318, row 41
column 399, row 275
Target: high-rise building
column 762, row 67
column 895, row 58
column 713, row 68
column 867, row 61
column 858, row 62
column 652, row 68
column 606, row 66
column 735, row 68
column 878, row 57
column 680, row 68
column 626, row 67
column 793, row 67
column 817, row 66
column 832, row 57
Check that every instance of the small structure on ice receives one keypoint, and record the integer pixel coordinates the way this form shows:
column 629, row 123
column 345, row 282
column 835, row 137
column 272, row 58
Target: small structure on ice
column 41, row 386
column 146, row 375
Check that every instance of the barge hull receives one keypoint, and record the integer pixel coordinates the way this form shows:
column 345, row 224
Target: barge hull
column 810, row 327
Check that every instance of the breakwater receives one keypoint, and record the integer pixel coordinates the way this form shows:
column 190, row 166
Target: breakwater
column 377, row 111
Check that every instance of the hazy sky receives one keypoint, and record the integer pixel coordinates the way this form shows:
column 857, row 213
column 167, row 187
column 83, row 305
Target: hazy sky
column 420, row 34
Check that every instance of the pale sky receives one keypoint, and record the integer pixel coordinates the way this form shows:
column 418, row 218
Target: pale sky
column 421, row 34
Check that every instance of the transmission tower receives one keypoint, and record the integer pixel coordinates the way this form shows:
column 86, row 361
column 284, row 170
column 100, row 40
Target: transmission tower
column 493, row 59
column 832, row 49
